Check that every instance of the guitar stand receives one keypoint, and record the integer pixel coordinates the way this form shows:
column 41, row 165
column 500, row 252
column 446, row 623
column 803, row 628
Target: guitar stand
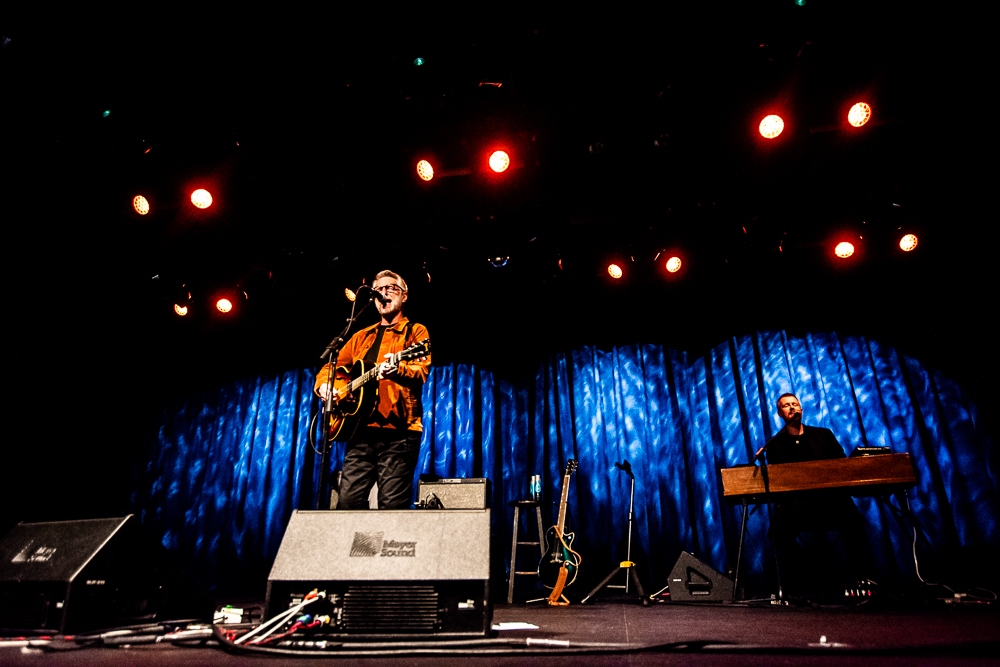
column 626, row 564
column 556, row 597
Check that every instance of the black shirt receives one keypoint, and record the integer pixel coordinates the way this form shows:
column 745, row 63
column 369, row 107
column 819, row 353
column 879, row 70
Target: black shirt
column 815, row 444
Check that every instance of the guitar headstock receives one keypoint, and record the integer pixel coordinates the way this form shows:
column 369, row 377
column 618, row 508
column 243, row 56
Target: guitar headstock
column 417, row 350
column 571, row 467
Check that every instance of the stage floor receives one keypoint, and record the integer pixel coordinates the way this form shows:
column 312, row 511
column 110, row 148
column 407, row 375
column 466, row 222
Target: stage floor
column 671, row 633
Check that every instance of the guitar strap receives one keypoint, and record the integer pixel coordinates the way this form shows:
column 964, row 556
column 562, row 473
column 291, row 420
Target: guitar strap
column 371, row 357
column 556, row 598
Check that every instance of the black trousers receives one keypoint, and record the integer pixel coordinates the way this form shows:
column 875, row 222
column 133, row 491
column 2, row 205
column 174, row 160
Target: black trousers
column 387, row 456
column 821, row 546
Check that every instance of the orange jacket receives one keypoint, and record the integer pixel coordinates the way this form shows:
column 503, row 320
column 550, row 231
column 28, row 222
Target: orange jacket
column 399, row 397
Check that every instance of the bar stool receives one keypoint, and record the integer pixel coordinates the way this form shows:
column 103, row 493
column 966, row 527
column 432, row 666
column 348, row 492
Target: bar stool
column 515, row 542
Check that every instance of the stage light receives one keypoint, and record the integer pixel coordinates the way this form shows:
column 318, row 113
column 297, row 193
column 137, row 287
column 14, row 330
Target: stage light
column 425, row 170
column 201, row 198
column 107, row 112
column 908, row 242
column 182, row 300
column 224, row 305
column 615, row 271
column 349, row 293
column 771, row 126
column 140, row 204
column 418, row 61
column 499, row 261
column 674, row 264
column 499, row 161
column 859, row 114
column 844, row 249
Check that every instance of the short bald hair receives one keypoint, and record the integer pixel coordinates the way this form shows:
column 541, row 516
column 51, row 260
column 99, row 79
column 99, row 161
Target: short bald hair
column 786, row 394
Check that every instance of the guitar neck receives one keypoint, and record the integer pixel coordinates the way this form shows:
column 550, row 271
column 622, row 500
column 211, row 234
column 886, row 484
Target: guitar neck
column 564, row 497
column 368, row 375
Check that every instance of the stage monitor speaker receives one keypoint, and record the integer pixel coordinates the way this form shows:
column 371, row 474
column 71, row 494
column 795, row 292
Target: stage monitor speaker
column 471, row 493
column 388, row 573
column 73, row 576
column 693, row 581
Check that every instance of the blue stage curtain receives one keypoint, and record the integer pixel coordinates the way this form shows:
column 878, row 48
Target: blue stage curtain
column 229, row 467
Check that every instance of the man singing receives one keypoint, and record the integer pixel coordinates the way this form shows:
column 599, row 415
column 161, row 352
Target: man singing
column 385, row 446
column 798, row 442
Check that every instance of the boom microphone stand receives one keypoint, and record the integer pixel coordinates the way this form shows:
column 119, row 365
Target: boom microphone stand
column 330, row 354
column 626, row 564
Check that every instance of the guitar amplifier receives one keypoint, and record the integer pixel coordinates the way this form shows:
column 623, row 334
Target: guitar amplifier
column 471, row 493
column 387, row 574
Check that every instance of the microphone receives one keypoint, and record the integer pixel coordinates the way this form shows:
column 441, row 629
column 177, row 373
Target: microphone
column 378, row 296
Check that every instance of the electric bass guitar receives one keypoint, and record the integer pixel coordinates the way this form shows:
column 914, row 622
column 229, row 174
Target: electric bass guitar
column 355, row 395
column 559, row 555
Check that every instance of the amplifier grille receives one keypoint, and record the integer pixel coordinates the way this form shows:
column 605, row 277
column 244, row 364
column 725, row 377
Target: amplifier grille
column 389, row 609
column 27, row 610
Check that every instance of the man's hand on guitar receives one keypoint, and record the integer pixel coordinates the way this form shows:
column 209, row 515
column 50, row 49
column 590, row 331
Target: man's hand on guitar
column 388, row 368
column 324, row 393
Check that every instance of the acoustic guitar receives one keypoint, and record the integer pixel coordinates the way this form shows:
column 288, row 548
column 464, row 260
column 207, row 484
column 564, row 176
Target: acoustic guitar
column 355, row 395
column 560, row 564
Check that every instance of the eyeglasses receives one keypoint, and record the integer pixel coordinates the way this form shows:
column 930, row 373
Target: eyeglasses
column 388, row 289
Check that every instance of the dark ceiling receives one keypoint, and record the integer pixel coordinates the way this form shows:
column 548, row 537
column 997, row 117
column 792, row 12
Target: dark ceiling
column 632, row 134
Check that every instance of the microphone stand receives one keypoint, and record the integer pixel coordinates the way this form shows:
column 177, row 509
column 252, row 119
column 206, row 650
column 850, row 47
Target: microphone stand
column 761, row 458
column 626, row 564
column 330, row 355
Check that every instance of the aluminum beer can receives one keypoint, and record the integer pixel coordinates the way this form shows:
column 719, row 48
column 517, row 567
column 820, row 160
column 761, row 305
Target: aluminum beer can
column 536, row 487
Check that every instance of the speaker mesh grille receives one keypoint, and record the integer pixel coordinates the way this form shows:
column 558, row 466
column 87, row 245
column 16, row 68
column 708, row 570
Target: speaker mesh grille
column 390, row 609
column 23, row 609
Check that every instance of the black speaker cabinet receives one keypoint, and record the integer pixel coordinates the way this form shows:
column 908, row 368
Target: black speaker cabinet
column 472, row 493
column 694, row 581
column 70, row 576
column 388, row 573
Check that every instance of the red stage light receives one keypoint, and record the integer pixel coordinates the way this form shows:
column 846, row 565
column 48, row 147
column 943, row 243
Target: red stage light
column 140, row 204
column 425, row 170
column 499, row 161
column 908, row 242
column 844, row 249
column 859, row 114
column 615, row 271
column 224, row 305
column 201, row 198
column 180, row 310
column 771, row 126
column 674, row 264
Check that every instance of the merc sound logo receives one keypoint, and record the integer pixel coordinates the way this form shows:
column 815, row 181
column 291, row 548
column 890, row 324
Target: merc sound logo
column 369, row 545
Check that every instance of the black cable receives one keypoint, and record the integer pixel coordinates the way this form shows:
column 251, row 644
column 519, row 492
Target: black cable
column 486, row 646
